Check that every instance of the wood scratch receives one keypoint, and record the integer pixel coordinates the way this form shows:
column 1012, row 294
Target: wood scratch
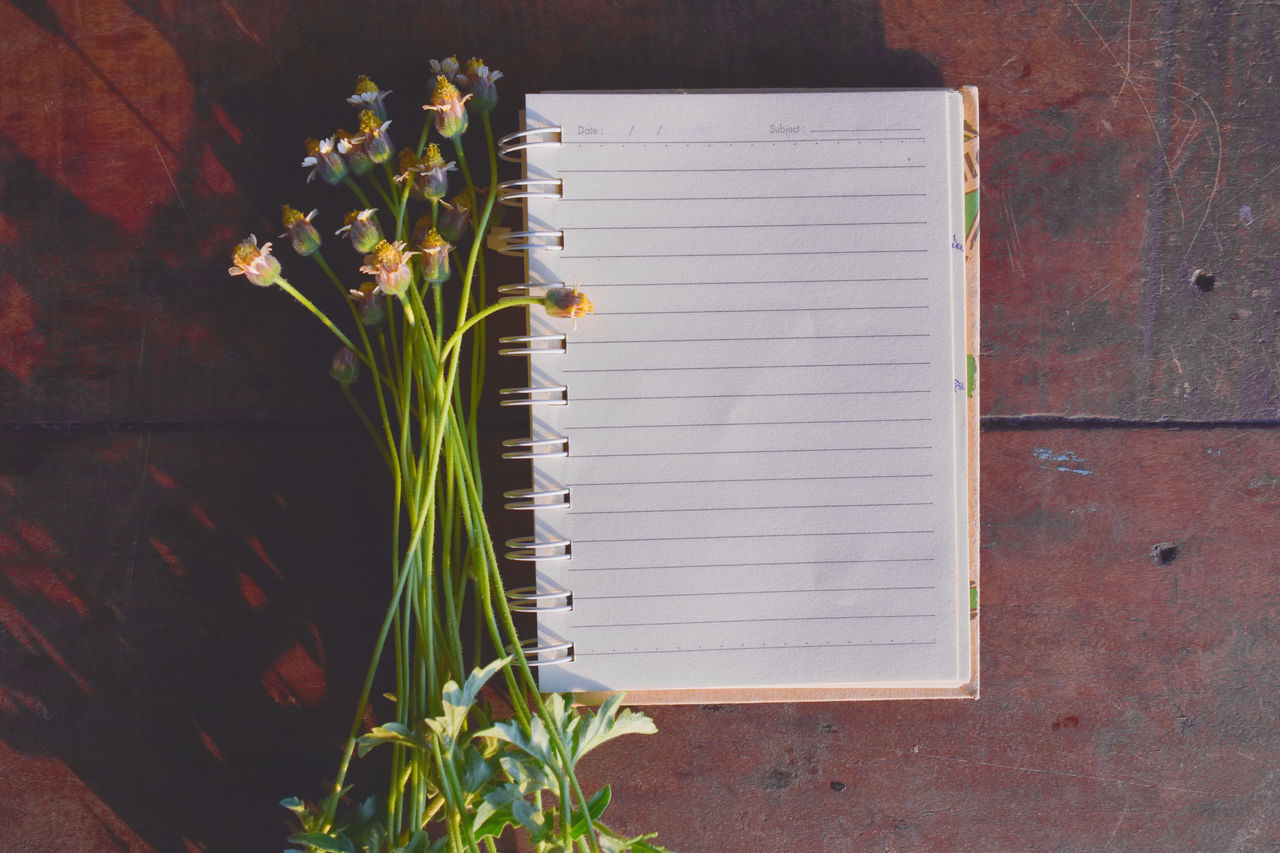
column 174, row 184
column 1049, row 772
column 1112, row 837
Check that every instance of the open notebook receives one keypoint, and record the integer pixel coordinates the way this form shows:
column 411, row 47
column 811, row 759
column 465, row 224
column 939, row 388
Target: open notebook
column 755, row 466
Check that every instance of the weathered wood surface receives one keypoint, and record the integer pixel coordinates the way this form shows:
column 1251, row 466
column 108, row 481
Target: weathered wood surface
column 1126, row 145
column 188, row 514
column 188, row 654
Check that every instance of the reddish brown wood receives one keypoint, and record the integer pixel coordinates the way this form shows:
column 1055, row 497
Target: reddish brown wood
column 185, row 611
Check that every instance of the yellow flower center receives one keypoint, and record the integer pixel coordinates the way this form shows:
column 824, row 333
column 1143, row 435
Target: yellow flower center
column 365, row 86
column 445, row 93
column 245, row 254
column 292, row 217
column 370, row 123
column 433, row 160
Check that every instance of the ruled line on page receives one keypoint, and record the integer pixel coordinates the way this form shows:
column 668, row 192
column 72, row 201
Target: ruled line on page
column 585, row 654
column 583, row 427
column 741, row 254
column 626, row 171
column 667, row 199
column 648, row 284
column 719, row 592
column 585, row 485
column 755, row 620
column 683, row 509
column 754, row 565
column 752, row 339
column 759, row 536
column 769, row 225
column 715, row 145
column 775, row 394
column 747, row 367
column 747, row 452
column 766, row 310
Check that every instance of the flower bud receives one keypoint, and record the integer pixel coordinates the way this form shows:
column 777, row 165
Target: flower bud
column 368, row 96
column 478, row 80
column 255, row 262
column 357, row 156
column 566, row 302
column 325, row 156
column 435, row 257
column 388, row 263
column 345, row 367
column 373, row 137
column 447, row 103
column 435, row 178
column 370, row 306
column 301, row 233
column 455, row 217
column 446, row 68
column 362, row 228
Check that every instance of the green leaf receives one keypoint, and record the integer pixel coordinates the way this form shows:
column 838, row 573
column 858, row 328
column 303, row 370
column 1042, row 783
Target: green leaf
column 525, row 771
column 324, row 841
column 490, row 821
column 595, row 807
column 607, row 724
column 531, row 819
column 294, row 805
column 536, row 742
column 396, row 733
column 475, row 772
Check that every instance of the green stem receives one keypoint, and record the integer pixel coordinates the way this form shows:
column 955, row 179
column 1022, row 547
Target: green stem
column 322, row 317
column 350, row 183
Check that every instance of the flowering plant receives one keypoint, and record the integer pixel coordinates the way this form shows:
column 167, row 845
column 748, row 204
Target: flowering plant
column 460, row 776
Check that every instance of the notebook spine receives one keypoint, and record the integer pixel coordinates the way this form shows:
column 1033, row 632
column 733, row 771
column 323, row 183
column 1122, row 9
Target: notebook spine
column 536, row 599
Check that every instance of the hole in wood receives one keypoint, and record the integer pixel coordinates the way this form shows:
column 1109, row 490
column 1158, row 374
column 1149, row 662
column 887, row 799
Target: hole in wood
column 1204, row 280
column 1164, row 553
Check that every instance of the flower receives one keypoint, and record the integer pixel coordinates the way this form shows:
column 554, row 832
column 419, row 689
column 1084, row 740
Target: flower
column 368, row 96
column 373, row 137
column 479, row 80
column 446, row 68
column 429, row 173
column 344, row 368
column 435, row 257
column 255, row 262
column 388, row 263
column 447, row 103
column 362, row 228
column 566, row 302
column 455, row 217
column 369, row 303
column 300, row 231
column 325, row 156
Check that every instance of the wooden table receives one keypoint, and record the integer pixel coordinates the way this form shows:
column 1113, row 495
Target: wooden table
column 192, row 531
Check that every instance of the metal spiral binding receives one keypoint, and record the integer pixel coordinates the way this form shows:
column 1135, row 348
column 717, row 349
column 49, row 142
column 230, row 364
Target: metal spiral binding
column 510, row 192
column 554, row 652
column 528, row 344
column 531, row 599
column 517, row 242
column 524, row 499
column 527, row 599
column 527, row 549
column 535, row 395
column 510, row 146
column 552, row 447
column 527, row 288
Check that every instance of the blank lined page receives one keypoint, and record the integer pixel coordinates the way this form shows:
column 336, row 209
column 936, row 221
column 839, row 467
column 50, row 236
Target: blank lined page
column 766, row 411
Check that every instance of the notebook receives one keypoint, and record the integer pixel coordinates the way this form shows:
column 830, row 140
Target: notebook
column 755, row 465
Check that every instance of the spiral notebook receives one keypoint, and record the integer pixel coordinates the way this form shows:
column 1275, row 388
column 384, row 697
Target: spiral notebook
column 755, row 465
